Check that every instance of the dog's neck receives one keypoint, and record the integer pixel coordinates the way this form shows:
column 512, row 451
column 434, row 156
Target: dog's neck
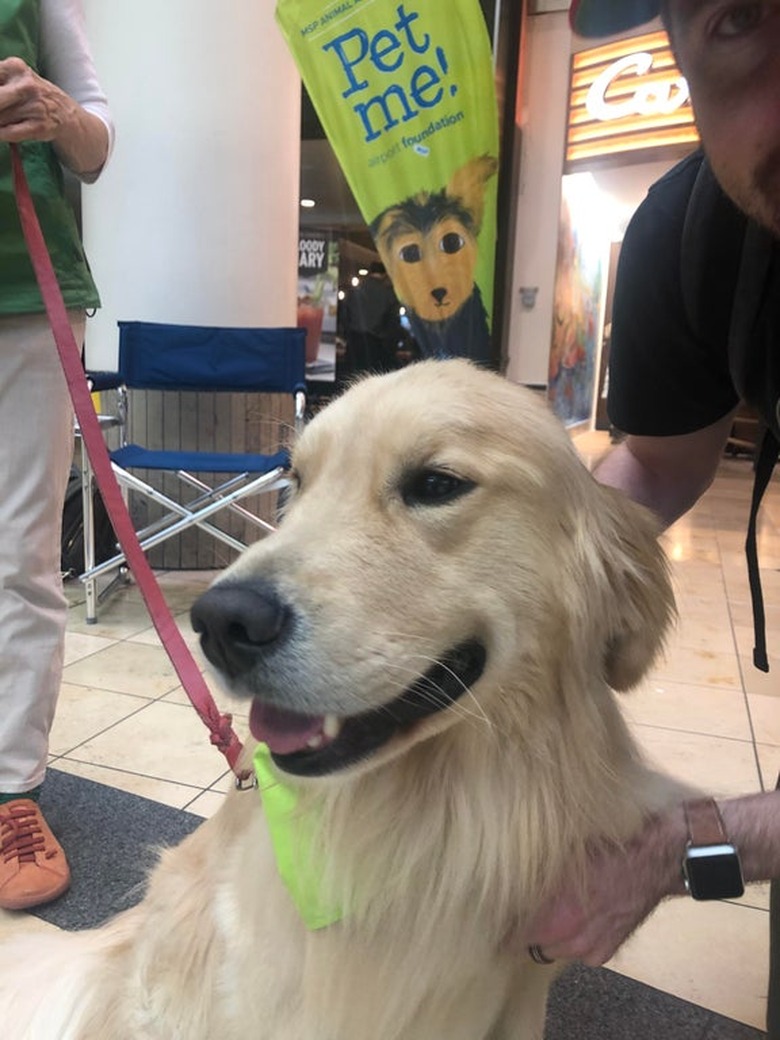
column 453, row 819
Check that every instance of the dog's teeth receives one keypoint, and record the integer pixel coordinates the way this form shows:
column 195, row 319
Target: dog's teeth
column 331, row 727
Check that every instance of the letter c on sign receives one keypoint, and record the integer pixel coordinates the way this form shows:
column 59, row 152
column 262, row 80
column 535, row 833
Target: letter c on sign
column 648, row 99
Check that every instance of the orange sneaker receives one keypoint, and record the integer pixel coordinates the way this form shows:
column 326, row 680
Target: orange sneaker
column 33, row 867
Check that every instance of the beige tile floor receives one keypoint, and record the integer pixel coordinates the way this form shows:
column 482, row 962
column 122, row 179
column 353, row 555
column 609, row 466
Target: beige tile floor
column 704, row 714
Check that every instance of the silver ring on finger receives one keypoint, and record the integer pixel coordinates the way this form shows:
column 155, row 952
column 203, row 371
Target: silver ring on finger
column 538, row 956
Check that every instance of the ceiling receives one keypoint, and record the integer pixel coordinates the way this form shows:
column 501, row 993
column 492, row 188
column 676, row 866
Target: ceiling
column 323, row 181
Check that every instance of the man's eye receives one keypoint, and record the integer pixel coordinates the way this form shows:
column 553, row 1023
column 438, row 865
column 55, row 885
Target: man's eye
column 738, row 20
column 434, row 487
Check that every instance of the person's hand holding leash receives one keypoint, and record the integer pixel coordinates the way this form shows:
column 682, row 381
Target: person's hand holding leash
column 33, row 109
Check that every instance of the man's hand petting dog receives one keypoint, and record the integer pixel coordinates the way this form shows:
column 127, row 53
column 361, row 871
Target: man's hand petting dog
column 589, row 920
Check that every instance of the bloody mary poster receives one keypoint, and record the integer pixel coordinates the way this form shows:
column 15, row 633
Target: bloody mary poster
column 406, row 95
column 318, row 286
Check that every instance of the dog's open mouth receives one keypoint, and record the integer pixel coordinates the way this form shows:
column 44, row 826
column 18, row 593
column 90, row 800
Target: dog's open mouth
column 310, row 745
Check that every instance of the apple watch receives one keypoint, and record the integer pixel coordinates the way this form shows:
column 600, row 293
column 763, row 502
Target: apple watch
column 711, row 867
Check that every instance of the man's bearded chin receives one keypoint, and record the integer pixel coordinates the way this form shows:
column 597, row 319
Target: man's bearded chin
column 758, row 193
column 765, row 193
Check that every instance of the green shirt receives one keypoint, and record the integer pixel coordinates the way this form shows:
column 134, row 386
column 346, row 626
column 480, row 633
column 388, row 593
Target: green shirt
column 19, row 293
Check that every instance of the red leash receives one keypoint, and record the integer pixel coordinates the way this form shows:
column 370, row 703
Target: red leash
column 220, row 726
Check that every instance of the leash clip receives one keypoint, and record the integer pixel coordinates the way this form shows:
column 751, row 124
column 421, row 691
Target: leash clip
column 246, row 781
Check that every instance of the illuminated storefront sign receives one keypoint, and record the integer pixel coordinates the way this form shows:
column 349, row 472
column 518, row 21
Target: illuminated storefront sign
column 627, row 97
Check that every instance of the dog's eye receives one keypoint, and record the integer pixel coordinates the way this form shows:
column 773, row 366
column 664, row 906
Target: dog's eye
column 433, row 487
column 452, row 242
column 410, row 254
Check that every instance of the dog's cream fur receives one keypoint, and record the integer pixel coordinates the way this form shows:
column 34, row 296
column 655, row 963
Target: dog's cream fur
column 445, row 841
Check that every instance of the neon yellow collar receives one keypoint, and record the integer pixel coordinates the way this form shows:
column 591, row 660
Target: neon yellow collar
column 292, row 837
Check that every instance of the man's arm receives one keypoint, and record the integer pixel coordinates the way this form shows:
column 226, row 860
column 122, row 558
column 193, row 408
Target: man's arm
column 666, row 474
column 624, row 886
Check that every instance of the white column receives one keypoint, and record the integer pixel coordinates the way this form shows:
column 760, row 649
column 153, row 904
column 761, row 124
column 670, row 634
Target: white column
column 545, row 92
column 196, row 218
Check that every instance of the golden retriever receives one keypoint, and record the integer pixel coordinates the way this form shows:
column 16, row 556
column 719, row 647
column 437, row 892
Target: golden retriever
column 430, row 642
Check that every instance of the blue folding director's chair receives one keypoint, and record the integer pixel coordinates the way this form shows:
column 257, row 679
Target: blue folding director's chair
column 182, row 358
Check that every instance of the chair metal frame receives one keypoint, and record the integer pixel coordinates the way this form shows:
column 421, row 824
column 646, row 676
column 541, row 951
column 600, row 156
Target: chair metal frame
column 116, row 420
column 157, row 356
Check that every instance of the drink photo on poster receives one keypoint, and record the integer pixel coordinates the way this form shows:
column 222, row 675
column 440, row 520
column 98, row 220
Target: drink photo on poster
column 318, row 274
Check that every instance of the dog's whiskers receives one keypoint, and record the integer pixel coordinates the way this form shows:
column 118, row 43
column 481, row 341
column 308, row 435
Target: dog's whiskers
column 480, row 714
column 436, row 696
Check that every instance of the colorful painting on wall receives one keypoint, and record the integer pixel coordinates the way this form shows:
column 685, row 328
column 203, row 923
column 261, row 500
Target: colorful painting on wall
column 580, row 281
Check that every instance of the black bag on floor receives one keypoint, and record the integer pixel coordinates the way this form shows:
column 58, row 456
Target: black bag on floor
column 72, row 545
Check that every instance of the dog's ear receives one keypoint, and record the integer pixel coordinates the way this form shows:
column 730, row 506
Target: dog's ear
column 468, row 184
column 640, row 588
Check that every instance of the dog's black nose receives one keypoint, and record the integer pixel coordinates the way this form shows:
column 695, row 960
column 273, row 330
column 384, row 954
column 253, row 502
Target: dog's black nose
column 237, row 623
column 439, row 295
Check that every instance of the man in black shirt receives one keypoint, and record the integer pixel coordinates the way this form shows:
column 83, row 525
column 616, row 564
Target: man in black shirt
column 670, row 370
column 694, row 329
column 683, row 355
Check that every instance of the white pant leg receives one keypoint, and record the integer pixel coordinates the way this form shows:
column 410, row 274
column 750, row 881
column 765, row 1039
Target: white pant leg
column 36, row 449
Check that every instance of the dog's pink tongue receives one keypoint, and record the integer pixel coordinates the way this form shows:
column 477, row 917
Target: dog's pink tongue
column 283, row 731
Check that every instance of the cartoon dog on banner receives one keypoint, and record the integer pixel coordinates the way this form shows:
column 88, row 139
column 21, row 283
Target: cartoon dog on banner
column 428, row 243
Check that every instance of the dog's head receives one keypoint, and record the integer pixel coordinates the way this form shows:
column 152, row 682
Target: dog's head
column 428, row 243
column 444, row 555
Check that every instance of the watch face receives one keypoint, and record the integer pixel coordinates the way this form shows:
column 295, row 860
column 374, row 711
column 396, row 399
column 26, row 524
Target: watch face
column 713, row 872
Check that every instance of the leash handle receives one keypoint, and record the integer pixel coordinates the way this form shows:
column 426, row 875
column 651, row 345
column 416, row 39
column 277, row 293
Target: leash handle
column 220, row 726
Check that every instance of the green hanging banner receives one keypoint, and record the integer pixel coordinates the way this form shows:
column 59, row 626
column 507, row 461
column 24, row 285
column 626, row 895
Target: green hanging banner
column 405, row 92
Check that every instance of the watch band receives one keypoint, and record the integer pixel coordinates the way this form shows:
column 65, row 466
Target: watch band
column 705, row 824
column 711, row 867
